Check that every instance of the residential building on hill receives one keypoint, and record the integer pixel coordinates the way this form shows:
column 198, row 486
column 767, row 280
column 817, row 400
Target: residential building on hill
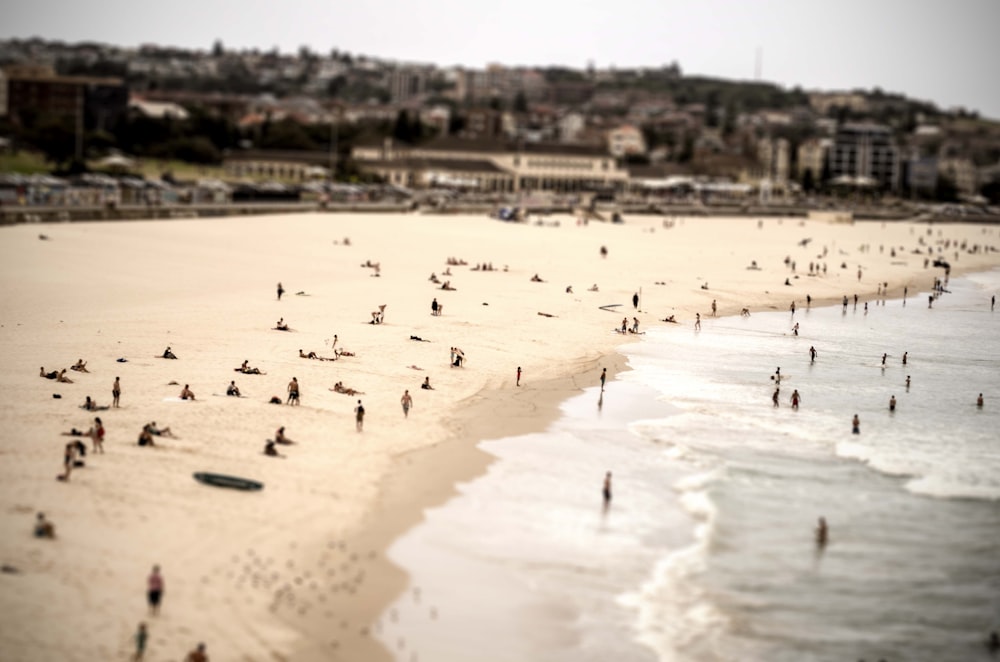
column 865, row 151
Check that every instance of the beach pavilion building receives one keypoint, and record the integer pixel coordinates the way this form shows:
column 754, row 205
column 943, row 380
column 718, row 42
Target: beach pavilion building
column 493, row 165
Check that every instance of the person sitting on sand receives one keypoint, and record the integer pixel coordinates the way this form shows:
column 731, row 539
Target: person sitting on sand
column 427, row 384
column 270, row 450
column 63, row 378
column 43, row 527
column 187, row 393
column 247, row 370
column 536, row 279
column 434, row 278
column 146, row 437
column 167, row 354
column 592, row 288
column 447, row 286
column 79, row 366
column 48, row 375
column 280, row 325
column 233, row 389
column 280, row 438
column 90, row 405
column 446, row 272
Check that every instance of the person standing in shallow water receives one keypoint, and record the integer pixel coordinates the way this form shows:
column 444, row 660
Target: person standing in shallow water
column 856, row 425
column 604, row 376
column 607, row 490
column 892, row 403
column 822, row 533
column 979, row 401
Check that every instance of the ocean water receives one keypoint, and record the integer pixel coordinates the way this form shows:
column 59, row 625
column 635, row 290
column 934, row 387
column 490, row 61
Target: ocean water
column 707, row 552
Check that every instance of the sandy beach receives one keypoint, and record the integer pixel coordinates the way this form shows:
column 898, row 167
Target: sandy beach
column 296, row 571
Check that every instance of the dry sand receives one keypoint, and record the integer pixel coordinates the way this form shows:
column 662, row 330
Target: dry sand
column 296, row 571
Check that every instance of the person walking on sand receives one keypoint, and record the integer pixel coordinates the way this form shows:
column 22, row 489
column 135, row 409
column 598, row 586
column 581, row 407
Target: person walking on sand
column 713, row 307
column 281, row 291
column 518, row 376
column 96, row 434
column 635, row 301
column 697, row 321
column 293, row 392
column 606, row 490
column 116, row 392
column 855, row 425
column 434, row 306
column 359, row 416
column 604, row 377
column 154, row 590
column 407, row 402
column 141, row 635
column 892, row 403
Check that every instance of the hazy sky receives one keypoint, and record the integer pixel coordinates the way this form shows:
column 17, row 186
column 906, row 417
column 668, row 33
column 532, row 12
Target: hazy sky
column 945, row 52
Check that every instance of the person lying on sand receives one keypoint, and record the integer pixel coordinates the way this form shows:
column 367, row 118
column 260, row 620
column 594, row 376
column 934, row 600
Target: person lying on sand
column 79, row 366
column 343, row 352
column 74, row 433
column 280, row 325
column 159, row 432
column 187, row 393
column 669, row 319
column 314, row 355
column 47, row 375
column 63, row 378
column 167, row 354
column 340, row 388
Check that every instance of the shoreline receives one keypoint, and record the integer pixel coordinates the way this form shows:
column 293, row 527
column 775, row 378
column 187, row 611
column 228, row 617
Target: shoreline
column 428, row 477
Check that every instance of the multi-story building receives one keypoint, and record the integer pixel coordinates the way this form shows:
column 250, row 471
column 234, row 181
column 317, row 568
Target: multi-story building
column 405, row 84
column 626, row 140
column 773, row 155
column 962, row 172
column 865, row 152
column 33, row 93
